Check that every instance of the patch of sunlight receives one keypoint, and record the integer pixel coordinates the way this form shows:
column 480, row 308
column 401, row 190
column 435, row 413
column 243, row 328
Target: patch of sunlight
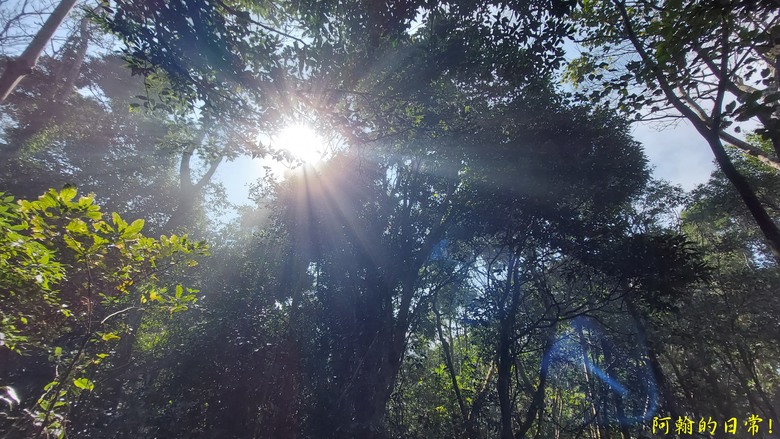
column 301, row 142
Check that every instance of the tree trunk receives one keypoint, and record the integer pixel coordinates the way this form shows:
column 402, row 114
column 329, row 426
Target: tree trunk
column 190, row 192
column 23, row 65
column 655, row 366
column 590, row 391
column 503, row 381
column 537, row 403
column 505, row 341
column 765, row 223
column 448, row 353
column 620, row 411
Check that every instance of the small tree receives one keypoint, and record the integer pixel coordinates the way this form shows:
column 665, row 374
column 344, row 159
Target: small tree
column 68, row 279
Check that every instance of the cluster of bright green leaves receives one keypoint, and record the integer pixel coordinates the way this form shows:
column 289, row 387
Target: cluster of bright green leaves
column 68, row 279
column 24, row 261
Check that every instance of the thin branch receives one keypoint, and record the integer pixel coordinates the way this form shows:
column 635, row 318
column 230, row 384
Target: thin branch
column 750, row 150
column 117, row 313
column 237, row 13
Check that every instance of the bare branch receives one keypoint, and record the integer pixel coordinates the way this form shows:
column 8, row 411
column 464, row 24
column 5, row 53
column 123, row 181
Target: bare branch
column 750, row 150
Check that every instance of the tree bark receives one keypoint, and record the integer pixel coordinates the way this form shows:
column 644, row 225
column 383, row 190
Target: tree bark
column 590, row 391
column 22, row 66
column 505, row 341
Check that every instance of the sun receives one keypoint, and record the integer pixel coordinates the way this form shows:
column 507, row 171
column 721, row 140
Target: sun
column 301, row 142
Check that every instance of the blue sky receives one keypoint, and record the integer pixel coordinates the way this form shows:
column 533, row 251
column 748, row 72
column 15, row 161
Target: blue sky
column 679, row 155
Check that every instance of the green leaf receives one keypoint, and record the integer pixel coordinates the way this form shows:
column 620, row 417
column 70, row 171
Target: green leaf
column 73, row 244
column 110, row 336
column 68, row 192
column 120, row 224
column 154, row 296
column 78, row 226
column 83, row 383
column 133, row 228
column 94, row 215
column 85, row 202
